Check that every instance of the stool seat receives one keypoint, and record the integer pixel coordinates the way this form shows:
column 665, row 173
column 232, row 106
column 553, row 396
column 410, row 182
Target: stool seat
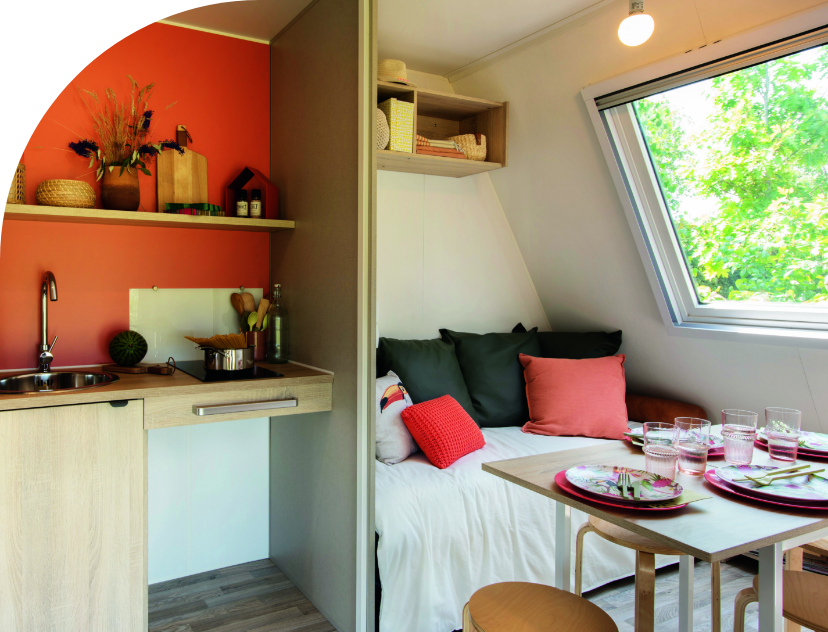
column 804, row 598
column 525, row 607
column 629, row 539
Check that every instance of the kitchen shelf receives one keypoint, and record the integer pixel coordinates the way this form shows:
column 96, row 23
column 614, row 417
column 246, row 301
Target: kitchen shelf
column 439, row 115
column 31, row 213
column 431, row 165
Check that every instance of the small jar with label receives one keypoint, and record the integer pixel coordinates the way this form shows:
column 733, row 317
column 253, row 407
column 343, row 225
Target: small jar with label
column 241, row 203
column 256, row 203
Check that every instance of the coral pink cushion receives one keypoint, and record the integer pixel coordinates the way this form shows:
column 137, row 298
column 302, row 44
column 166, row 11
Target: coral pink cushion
column 443, row 430
column 582, row 398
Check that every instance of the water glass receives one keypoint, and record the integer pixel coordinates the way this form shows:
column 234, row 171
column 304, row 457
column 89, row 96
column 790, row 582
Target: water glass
column 782, row 427
column 692, row 440
column 739, row 433
column 660, row 456
column 657, row 432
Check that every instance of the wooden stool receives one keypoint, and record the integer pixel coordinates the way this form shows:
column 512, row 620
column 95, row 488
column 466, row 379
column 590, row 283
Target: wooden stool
column 793, row 564
column 645, row 552
column 524, row 607
column 804, row 600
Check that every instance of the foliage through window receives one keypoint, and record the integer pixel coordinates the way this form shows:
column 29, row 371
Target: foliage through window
column 742, row 163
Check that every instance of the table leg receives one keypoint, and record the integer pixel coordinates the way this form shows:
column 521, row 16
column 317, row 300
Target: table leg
column 686, row 593
column 770, row 588
column 563, row 546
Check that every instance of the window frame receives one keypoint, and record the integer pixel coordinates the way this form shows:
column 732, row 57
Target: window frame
column 628, row 159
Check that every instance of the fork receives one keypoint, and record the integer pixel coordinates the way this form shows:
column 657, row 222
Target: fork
column 623, row 483
column 764, row 482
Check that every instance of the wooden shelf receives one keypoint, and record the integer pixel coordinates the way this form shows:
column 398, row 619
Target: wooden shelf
column 431, row 165
column 441, row 115
column 31, row 213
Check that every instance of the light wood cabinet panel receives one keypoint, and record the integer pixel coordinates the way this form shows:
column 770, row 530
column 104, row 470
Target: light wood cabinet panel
column 73, row 519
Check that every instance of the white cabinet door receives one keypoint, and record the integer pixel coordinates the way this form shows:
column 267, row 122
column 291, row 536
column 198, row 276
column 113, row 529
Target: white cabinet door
column 73, row 554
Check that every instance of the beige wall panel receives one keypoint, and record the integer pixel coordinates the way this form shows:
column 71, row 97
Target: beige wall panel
column 72, row 519
column 568, row 221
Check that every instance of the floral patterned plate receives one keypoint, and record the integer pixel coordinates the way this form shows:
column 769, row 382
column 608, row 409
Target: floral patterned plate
column 602, row 480
column 802, row 488
column 569, row 488
column 710, row 477
column 811, row 441
column 716, row 441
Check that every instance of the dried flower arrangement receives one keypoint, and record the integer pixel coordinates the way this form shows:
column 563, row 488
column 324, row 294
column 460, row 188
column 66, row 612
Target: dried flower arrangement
column 122, row 132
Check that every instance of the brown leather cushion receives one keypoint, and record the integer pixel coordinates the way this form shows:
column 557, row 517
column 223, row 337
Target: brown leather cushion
column 642, row 408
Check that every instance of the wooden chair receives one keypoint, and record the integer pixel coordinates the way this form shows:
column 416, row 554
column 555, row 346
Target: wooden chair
column 645, row 552
column 804, row 595
column 524, row 607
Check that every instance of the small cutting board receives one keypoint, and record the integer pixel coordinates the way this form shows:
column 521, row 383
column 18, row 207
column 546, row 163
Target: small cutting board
column 182, row 178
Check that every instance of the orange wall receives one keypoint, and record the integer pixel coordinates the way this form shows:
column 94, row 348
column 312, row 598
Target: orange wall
column 221, row 89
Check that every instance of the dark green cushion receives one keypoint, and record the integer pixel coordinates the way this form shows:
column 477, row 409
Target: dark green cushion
column 428, row 369
column 494, row 374
column 576, row 346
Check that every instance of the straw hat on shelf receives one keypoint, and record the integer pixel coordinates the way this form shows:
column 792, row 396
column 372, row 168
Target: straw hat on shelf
column 393, row 70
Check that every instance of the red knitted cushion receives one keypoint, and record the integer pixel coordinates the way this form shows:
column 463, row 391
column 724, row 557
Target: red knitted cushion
column 443, row 430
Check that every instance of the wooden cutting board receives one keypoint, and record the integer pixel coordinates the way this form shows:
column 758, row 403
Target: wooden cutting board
column 182, row 178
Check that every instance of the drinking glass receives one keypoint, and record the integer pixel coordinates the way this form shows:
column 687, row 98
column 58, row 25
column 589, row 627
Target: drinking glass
column 692, row 440
column 739, row 433
column 782, row 430
column 659, row 454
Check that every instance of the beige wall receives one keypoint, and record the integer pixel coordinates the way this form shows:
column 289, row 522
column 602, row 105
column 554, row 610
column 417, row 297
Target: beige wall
column 563, row 208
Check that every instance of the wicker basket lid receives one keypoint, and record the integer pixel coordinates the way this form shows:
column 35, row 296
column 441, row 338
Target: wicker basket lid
column 393, row 70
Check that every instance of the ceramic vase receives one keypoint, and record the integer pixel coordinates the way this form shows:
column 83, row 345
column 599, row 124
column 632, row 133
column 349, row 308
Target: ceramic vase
column 120, row 192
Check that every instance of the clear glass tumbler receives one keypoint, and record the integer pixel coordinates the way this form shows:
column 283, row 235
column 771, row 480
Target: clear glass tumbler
column 660, row 456
column 782, row 427
column 692, row 440
column 739, row 433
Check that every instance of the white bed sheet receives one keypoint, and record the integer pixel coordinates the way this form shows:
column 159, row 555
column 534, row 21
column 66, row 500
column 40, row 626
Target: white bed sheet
column 443, row 534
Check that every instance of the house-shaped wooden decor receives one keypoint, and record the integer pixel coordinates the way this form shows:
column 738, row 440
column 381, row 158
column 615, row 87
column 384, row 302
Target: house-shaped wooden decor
column 250, row 179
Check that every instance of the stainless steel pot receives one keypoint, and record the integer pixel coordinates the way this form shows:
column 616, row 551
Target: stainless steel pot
column 228, row 359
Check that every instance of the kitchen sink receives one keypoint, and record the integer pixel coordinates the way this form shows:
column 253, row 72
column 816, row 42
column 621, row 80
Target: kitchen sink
column 54, row 381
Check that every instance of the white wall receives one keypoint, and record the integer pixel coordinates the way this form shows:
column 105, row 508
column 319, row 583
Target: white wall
column 446, row 257
column 571, row 229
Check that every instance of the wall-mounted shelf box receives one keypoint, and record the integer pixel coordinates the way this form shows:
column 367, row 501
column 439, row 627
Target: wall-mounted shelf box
column 439, row 115
column 31, row 213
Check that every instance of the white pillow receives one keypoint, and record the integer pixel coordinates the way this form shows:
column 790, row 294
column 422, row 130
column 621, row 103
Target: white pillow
column 394, row 442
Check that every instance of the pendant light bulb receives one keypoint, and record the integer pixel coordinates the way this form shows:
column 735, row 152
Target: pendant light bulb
column 637, row 27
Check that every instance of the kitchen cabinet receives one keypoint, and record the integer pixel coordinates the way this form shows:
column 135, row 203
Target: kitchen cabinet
column 73, row 552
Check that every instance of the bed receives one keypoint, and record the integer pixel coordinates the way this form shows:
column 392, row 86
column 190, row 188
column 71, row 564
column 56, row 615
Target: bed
column 442, row 534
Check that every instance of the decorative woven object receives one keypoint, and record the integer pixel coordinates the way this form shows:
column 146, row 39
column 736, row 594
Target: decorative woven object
column 17, row 193
column 474, row 145
column 383, row 131
column 67, row 193
column 400, row 115
column 393, row 70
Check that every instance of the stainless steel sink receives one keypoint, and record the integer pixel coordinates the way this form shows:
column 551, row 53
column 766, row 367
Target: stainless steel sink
column 54, row 381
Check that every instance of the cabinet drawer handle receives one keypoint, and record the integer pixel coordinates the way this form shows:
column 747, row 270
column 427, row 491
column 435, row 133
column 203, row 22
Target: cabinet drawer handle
column 225, row 409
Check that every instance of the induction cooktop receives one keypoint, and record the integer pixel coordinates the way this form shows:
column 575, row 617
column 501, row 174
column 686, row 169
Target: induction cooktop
column 197, row 370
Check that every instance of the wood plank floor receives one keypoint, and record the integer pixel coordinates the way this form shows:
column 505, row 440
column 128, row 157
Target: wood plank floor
column 252, row 597
column 618, row 598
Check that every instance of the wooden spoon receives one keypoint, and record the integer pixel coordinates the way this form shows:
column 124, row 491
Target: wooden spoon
column 237, row 302
column 249, row 302
column 264, row 304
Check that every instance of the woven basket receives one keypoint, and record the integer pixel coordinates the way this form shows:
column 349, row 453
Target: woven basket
column 17, row 193
column 473, row 144
column 72, row 193
column 383, row 131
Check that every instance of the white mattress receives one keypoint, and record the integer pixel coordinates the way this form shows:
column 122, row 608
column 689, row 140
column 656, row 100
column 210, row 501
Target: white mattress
column 446, row 533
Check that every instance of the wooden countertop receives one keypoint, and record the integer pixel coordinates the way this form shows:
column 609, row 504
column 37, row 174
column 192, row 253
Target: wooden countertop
column 147, row 385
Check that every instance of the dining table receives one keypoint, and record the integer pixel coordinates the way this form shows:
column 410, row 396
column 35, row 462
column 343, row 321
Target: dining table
column 713, row 529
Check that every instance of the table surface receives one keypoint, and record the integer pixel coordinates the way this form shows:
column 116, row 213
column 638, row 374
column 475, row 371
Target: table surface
column 711, row 530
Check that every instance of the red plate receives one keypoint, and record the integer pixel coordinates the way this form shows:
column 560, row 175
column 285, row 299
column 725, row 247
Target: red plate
column 801, row 452
column 560, row 480
column 711, row 477
column 712, row 452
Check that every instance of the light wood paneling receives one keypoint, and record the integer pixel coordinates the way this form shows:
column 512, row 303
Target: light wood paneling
column 73, row 519
column 437, row 128
column 165, row 412
column 494, row 125
column 31, row 213
column 431, row 165
column 454, row 106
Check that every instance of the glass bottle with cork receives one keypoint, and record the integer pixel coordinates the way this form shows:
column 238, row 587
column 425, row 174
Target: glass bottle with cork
column 278, row 339
column 241, row 203
column 256, row 203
